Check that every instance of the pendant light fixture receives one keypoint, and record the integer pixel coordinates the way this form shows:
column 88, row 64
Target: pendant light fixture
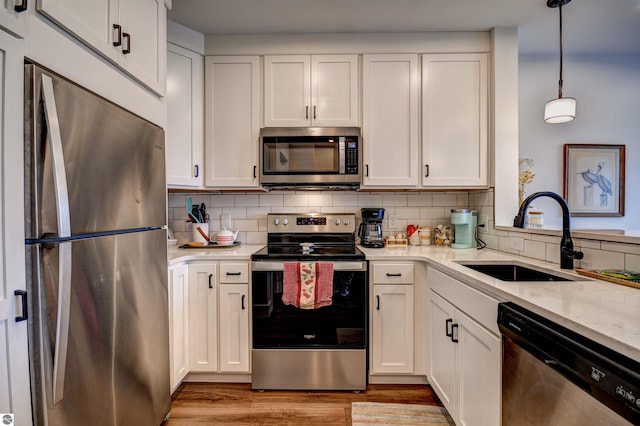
column 559, row 110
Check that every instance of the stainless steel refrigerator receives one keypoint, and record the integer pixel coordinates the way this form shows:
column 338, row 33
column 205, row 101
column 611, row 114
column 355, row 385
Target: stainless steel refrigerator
column 96, row 251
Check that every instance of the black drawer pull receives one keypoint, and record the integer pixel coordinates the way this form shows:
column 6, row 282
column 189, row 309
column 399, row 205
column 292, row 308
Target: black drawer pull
column 127, row 49
column 242, row 302
column 117, row 40
column 454, row 327
column 197, row 171
column 25, row 312
column 446, row 327
column 397, row 274
column 234, row 273
column 210, row 277
column 378, row 303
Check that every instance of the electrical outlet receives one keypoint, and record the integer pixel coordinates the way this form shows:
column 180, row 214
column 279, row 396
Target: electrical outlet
column 483, row 220
column 516, row 243
column 391, row 221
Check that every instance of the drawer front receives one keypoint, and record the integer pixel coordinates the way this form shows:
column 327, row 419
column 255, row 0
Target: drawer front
column 234, row 272
column 479, row 306
column 392, row 273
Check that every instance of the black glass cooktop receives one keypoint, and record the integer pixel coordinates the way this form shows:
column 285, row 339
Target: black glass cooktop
column 296, row 252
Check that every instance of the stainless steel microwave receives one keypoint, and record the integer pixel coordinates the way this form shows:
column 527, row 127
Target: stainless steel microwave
column 310, row 156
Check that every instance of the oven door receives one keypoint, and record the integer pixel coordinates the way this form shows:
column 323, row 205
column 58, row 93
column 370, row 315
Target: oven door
column 341, row 325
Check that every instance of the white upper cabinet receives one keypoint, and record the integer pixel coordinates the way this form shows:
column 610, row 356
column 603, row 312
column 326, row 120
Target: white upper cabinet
column 390, row 120
column 454, row 120
column 232, row 121
column 185, row 116
column 318, row 90
column 12, row 16
column 130, row 33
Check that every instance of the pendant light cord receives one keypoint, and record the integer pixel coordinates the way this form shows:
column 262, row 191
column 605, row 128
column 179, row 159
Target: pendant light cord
column 560, row 81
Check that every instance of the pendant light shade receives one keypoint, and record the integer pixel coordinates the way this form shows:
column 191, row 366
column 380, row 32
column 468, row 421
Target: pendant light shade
column 559, row 110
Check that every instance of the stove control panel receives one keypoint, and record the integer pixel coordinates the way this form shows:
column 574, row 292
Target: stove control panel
column 311, row 222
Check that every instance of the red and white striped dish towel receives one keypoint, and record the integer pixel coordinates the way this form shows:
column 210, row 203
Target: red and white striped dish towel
column 307, row 285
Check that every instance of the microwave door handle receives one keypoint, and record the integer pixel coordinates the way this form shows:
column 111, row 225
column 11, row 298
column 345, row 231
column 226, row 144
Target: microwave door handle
column 64, row 230
column 341, row 145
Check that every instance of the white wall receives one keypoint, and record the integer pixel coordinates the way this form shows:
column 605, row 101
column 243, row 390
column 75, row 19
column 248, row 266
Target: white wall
column 607, row 89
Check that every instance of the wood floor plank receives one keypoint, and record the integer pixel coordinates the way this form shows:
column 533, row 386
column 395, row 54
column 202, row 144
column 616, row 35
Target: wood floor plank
column 198, row 404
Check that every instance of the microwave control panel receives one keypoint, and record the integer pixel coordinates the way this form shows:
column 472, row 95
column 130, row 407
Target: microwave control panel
column 351, row 157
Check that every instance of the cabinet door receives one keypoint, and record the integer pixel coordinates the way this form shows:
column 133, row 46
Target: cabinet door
column 145, row 23
column 203, row 322
column 442, row 354
column 232, row 121
column 185, row 115
column 89, row 20
column 334, row 90
column 479, row 360
column 392, row 329
column 287, row 91
column 15, row 396
column 234, row 328
column 390, row 125
column 179, row 323
column 12, row 20
column 454, row 120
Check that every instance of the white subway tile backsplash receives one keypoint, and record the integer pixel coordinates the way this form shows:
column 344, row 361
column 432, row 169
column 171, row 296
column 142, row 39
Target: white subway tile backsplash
column 443, row 200
column 221, row 200
column 246, row 200
column 271, row 200
column 408, row 213
column 601, row 259
column 391, row 200
column 534, row 249
column 369, row 200
column 249, row 215
column 420, row 200
column 320, row 199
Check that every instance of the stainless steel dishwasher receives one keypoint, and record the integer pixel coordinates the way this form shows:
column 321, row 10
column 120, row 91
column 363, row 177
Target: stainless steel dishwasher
column 554, row 376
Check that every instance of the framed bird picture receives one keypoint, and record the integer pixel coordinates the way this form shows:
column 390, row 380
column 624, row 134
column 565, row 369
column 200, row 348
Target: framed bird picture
column 594, row 179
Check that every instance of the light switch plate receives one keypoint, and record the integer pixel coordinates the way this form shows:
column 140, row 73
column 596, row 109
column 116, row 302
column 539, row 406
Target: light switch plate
column 391, row 221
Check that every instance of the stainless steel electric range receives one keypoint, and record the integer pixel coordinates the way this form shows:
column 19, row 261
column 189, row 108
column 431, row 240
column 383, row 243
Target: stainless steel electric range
column 310, row 347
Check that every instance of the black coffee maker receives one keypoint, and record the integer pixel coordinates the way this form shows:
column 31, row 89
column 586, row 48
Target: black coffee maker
column 370, row 231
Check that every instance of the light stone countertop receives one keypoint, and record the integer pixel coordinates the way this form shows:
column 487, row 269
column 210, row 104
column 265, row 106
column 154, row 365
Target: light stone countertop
column 605, row 312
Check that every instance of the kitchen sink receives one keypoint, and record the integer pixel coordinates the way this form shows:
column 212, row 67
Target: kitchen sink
column 515, row 272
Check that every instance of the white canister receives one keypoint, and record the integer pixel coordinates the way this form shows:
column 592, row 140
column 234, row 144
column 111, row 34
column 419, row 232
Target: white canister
column 196, row 237
column 425, row 236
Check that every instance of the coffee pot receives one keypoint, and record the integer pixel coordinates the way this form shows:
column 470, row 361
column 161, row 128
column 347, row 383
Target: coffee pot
column 370, row 230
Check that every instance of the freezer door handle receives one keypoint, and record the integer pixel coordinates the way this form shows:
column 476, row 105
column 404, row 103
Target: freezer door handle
column 64, row 230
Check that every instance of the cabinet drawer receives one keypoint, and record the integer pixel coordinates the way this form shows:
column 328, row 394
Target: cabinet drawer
column 234, row 272
column 392, row 273
column 477, row 305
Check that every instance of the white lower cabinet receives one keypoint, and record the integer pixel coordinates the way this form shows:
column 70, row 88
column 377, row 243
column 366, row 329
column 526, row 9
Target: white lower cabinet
column 178, row 323
column 465, row 356
column 203, row 317
column 234, row 317
column 392, row 332
column 209, row 318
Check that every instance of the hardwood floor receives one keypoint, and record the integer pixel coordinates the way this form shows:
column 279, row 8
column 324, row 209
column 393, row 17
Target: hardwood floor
column 221, row 403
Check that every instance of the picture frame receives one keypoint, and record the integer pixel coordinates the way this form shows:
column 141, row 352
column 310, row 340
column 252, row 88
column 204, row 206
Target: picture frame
column 594, row 179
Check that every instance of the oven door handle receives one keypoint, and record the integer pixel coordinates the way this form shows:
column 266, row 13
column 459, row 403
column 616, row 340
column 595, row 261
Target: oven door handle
column 279, row 266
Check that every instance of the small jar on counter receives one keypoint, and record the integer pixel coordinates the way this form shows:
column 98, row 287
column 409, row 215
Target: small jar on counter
column 425, row 235
column 535, row 218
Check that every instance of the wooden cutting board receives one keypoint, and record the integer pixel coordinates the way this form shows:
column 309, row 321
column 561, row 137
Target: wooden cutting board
column 617, row 276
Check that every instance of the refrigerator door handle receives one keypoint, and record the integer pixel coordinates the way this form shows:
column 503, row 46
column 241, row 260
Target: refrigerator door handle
column 64, row 230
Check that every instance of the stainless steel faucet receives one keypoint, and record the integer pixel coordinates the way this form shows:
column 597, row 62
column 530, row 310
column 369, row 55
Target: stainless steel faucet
column 567, row 253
